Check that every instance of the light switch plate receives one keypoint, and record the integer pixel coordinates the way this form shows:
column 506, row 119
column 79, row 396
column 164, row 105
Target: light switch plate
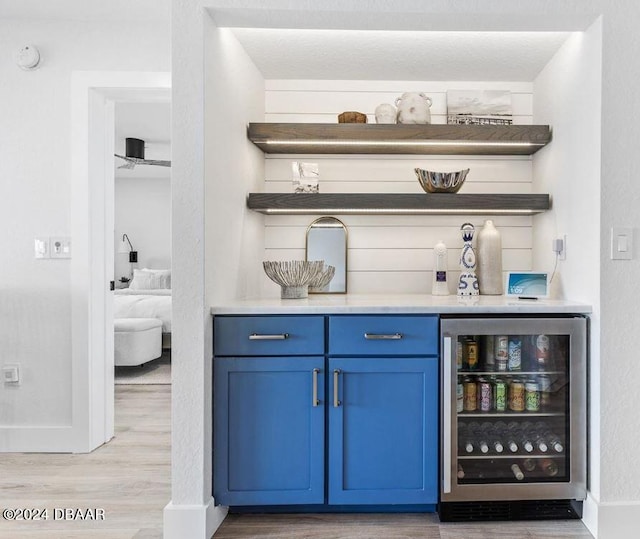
column 621, row 243
column 41, row 247
column 60, row 247
column 11, row 374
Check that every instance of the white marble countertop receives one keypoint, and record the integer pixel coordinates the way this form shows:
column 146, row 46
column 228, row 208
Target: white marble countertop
column 398, row 304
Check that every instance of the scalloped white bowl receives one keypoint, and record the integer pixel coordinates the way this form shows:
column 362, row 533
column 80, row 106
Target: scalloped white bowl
column 293, row 276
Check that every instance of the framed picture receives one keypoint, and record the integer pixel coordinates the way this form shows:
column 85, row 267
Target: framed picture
column 479, row 107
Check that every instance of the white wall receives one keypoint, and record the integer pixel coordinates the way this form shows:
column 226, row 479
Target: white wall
column 35, row 304
column 619, row 285
column 143, row 212
column 569, row 169
column 392, row 253
column 233, row 167
column 216, row 241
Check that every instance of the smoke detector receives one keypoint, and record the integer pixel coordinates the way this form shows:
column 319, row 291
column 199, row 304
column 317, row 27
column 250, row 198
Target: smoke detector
column 28, row 57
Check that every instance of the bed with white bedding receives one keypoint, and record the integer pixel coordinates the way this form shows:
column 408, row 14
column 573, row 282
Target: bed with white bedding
column 144, row 304
column 148, row 296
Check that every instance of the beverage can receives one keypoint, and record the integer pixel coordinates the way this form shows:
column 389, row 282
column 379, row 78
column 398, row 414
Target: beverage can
column 471, row 353
column 489, row 355
column 460, row 398
column 542, row 352
column 515, row 354
column 544, row 383
column 501, row 352
column 516, row 396
column 500, row 395
column 484, row 395
column 459, row 355
column 532, row 396
column 470, row 397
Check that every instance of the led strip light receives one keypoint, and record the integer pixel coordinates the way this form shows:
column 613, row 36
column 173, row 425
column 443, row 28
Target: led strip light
column 298, row 142
column 403, row 211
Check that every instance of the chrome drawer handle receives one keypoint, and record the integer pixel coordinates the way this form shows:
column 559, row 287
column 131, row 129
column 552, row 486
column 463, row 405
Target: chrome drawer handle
column 383, row 337
column 315, row 400
column 275, row 337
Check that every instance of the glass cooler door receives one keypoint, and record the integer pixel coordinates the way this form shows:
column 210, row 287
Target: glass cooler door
column 514, row 417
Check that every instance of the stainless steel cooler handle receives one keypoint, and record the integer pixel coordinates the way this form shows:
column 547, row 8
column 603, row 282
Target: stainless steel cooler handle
column 447, row 366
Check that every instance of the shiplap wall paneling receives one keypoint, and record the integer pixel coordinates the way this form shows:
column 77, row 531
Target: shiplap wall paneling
column 391, row 253
column 300, row 102
column 386, row 174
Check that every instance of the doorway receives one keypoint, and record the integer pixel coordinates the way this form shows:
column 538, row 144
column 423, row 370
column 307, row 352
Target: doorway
column 142, row 204
column 94, row 97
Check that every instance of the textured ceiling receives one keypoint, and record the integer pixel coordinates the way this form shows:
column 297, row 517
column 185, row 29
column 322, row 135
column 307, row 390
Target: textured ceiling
column 394, row 55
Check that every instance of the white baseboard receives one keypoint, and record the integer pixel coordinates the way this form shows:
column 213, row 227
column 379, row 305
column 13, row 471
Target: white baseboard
column 612, row 520
column 192, row 521
column 590, row 515
column 38, row 440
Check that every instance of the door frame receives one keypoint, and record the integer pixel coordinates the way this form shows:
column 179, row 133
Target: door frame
column 93, row 98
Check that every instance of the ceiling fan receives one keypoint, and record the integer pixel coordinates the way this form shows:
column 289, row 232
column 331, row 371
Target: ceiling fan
column 134, row 155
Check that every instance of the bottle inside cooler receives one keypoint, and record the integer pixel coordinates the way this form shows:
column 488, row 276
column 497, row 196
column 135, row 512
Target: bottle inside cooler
column 488, row 450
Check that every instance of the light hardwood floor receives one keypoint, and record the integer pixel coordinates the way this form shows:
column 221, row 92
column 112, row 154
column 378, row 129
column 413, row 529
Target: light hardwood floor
column 389, row 526
column 129, row 477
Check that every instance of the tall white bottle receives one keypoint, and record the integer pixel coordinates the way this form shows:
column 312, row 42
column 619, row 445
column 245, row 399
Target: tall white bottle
column 440, row 286
column 490, row 260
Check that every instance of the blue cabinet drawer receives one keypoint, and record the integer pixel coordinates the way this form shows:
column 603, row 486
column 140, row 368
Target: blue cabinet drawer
column 268, row 335
column 375, row 335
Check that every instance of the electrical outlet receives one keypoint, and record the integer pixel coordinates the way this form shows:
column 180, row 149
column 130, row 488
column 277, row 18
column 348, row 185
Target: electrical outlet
column 559, row 246
column 60, row 247
column 11, row 374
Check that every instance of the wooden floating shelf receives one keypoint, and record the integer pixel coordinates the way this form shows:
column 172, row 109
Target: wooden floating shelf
column 399, row 138
column 394, row 204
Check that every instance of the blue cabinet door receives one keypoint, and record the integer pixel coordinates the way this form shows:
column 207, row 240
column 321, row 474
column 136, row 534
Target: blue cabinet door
column 383, row 430
column 269, row 430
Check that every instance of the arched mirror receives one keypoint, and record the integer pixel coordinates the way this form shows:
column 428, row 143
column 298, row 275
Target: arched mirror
column 327, row 240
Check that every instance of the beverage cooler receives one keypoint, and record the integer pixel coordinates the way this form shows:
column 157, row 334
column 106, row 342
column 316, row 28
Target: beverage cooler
column 513, row 418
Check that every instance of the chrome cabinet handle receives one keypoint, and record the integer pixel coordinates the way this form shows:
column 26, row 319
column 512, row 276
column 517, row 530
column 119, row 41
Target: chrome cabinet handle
column 315, row 400
column 448, row 362
column 274, row 337
column 383, row 337
column 336, row 401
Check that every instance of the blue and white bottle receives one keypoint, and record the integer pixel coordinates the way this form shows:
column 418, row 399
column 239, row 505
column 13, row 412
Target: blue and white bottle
column 468, row 281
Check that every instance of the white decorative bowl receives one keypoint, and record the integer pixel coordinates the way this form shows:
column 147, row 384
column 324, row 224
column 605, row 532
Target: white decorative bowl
column 322, row 279
column 293, row 276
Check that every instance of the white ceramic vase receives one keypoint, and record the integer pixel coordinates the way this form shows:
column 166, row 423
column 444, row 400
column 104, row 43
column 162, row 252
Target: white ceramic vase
column 490, row 260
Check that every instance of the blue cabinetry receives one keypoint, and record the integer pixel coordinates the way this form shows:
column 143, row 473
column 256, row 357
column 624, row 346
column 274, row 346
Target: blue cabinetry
column 269, row 427
column 269, row 430
column 383, row 412
column 374, row 392
column 383, row 431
